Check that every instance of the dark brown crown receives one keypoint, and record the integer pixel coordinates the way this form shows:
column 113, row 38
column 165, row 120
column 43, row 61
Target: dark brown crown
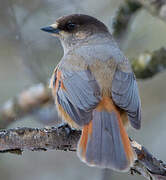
column 79, row 22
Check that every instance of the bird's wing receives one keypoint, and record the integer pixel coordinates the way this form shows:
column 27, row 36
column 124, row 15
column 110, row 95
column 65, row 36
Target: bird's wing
column 77, row 93
column 126, row 96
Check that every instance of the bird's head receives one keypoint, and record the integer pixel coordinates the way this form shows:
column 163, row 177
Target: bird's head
column 75, row 28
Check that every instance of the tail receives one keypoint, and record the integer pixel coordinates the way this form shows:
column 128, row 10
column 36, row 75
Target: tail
column 104, row 141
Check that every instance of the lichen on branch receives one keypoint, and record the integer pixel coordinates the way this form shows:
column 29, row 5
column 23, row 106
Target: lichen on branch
column 149, row 64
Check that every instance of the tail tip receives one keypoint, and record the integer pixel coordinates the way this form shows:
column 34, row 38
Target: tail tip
column 123, row 166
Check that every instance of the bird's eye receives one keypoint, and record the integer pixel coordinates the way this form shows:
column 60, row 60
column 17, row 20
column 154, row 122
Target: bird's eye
column 70, row 26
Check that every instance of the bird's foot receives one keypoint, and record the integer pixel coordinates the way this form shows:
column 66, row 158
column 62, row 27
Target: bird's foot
column 66, row 127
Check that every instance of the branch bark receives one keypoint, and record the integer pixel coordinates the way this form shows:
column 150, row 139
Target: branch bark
column 64, row 138
column 20, row 139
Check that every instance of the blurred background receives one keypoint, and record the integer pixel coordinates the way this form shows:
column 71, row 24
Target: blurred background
column 28, row 56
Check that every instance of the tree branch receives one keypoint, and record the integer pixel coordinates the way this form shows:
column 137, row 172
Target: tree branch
column 149, row 64
column 123, row 17
column 64, row 138
column 27, row 102
column 127, row 11
column 39, row 139
column 155, row 7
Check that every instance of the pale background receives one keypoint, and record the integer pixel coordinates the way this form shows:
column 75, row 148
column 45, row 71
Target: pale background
column 40, row 53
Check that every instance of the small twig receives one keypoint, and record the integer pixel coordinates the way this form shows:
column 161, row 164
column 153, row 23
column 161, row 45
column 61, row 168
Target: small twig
column 148, row 165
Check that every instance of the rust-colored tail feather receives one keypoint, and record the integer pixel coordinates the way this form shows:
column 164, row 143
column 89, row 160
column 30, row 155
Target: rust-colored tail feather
column 86, row 133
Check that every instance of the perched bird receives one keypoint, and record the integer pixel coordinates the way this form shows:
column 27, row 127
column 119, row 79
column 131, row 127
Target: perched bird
column 95, row 90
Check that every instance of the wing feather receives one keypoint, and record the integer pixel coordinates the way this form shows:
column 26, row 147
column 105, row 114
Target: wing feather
column 126, row 96
column 78, row 97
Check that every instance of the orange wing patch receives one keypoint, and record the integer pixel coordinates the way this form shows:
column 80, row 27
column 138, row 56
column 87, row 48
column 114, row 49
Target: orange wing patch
column 56, row 82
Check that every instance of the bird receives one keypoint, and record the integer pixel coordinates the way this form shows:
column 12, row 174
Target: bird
column 95, row 90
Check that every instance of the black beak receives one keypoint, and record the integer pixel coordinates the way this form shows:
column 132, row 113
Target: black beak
column 50, row 29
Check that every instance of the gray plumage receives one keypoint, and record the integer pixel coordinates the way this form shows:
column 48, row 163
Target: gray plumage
column 79, row 98
column 125, row 95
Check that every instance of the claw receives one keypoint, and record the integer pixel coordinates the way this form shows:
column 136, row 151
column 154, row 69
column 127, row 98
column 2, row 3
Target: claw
column 66, row 127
